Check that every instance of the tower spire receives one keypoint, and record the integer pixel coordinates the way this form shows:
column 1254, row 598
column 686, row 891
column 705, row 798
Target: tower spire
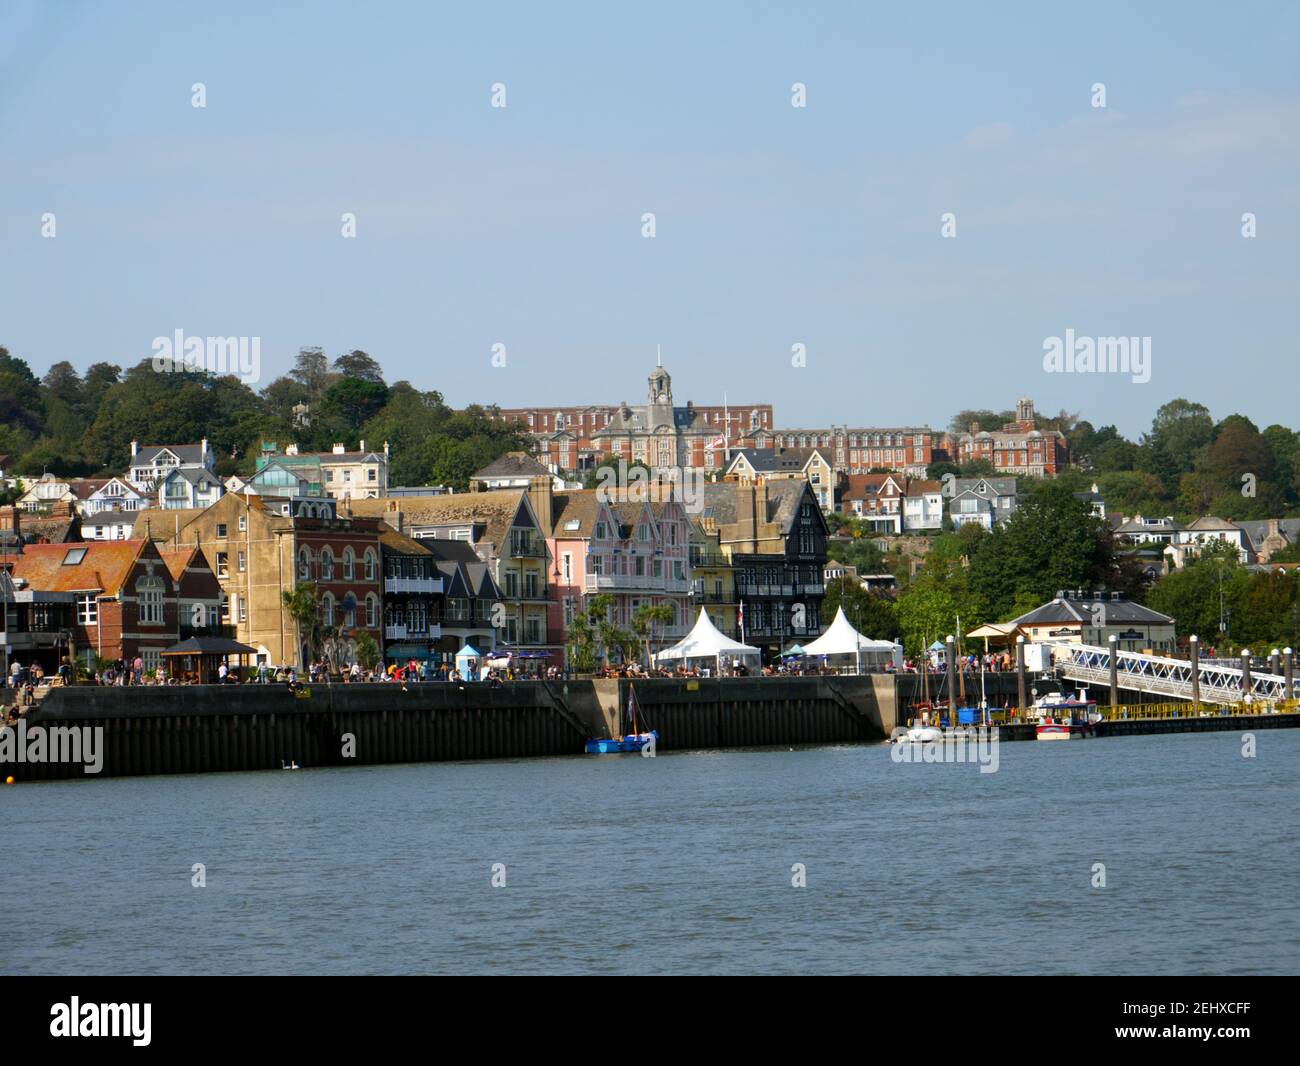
column 659, row 355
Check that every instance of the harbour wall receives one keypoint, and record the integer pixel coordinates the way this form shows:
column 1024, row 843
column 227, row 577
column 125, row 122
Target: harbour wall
column 194, row 729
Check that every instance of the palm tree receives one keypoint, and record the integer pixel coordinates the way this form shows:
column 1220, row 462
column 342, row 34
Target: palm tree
column 643, row 624
column 302, row 607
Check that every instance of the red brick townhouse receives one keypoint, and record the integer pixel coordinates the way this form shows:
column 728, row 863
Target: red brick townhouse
column 128, row 599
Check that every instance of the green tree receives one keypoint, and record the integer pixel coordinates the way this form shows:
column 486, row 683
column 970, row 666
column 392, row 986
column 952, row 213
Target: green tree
column 357, row 364
column 1051, row 541
column 367, row 651
column 646, row 620
column 303, row 606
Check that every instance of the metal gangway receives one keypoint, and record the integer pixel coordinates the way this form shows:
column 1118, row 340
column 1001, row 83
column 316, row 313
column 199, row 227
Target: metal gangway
column 1166, row 677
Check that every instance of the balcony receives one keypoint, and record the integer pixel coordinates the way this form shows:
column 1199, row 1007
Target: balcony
column 432, row 632
column 428, row 585
column 634, row 583
column 527, row 547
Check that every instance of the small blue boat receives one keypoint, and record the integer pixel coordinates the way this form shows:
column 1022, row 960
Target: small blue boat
column 629, row 742
column 615, row 745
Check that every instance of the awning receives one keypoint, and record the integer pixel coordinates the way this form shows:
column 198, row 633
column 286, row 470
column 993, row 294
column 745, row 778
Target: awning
column 409, row 651
column 210, row 646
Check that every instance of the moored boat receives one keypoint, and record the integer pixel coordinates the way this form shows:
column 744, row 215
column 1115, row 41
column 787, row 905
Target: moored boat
column 635, row 740
column 1060, row 717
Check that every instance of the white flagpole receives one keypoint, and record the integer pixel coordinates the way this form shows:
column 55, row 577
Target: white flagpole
column 726, row 430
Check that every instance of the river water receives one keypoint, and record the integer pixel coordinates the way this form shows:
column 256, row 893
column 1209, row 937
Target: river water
column 677, row 864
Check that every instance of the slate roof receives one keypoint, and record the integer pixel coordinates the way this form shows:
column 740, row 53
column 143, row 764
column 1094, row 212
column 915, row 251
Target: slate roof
column 511, row 465
column 186, row 453
column 722, row 500
column 776, row 460
column 1071, row 609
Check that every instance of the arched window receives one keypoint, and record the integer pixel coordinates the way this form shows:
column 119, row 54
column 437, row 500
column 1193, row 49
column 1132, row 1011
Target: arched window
column 370, row 565
column 304, row 564
column 327, row 609
column 349, row 605
column 326, row 564
column 372, row 611
column 348, row 561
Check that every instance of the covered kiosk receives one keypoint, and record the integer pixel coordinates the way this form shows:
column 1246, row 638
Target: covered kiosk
column 705, row 642
column 469, row 661
column 198, row 659
column 842, row 639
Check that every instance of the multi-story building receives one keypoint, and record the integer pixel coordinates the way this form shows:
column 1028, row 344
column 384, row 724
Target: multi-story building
column 923, row 506
column 507, row 530
column 774, row 464
column 189, row 488
column 413, row 598
column 985, row 501
column 774, row 534
column 150, row 463
column 656, row 433
column 713, row 581
column 470, row 597
column 36, row 626
column 127, row 599
column 260, row 547
column 1019, row 447
column 859, row 450
column 115, row 494
column 635, row 551
column 343, row 474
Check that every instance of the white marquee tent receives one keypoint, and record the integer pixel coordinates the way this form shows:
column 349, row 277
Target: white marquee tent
column 842, row 639
column 705, row 642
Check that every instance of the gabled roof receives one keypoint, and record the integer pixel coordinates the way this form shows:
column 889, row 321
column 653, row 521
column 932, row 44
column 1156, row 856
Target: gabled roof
column 773, row 460
column 1068, row 609
column 102, row 565
column 194, row 475
column 177, row 559
column 186, row 453
column 1212, row 524
column 512, row 465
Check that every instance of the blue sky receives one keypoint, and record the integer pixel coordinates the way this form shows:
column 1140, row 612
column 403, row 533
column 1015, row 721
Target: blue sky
column 775, row 225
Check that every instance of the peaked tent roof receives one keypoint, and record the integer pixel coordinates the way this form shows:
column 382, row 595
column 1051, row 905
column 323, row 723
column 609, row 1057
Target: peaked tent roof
column 842, row 639
column 705, row 642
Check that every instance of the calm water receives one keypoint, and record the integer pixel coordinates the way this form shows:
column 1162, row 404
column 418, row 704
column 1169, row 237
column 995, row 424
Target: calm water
column 676, row 864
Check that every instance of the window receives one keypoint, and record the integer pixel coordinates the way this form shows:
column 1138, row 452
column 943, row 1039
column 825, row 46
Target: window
column 221, row 530
column 243, row 609
column 304, row 564
column 225, row 609
column 327, row 609
column 372, row 611
column 243, row 523
column 347, row 475
column 348, row 560
column 370, row 565
column 372, row 474
column 150, row 593
column 74, row 556
column 242, row 562
column 326, row 564
column 566, row 564
column 223, row 564
column 600, row 530
column 87, row 609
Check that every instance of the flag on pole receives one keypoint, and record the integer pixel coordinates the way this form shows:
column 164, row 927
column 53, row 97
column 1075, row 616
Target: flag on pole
column 717, row 442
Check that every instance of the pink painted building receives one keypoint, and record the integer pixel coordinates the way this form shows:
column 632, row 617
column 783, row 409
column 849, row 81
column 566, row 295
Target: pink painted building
column 636, row 552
